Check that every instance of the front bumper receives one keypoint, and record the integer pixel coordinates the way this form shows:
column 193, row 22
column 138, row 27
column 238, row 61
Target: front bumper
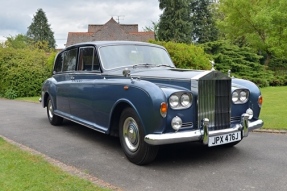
column 202, row 135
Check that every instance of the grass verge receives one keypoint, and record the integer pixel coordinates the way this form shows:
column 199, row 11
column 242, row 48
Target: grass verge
column 29, row 99
column 274, row 108
column 20, row 170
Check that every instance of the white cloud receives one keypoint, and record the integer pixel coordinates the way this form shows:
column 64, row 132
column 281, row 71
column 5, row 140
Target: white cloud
column 74, row 16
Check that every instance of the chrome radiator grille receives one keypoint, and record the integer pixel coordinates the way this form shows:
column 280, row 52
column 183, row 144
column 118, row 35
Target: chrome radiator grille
column 214, row 101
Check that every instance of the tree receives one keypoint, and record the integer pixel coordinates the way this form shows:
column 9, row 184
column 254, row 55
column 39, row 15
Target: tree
column 174, row 24
column 40, row 30
column 18, row 42
column 242, row 61
column 204, row 29
column 154, row 29
column 261, row 25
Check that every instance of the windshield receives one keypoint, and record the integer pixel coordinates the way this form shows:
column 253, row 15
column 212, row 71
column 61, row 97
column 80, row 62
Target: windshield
column 117, row 56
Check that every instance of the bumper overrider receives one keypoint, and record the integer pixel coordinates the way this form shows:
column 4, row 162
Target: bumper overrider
column 203, row 134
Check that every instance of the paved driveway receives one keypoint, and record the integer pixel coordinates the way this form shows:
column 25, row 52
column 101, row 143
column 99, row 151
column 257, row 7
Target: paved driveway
column 259, row 162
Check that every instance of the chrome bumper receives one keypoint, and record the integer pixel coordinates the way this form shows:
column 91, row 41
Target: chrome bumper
column 202, row 135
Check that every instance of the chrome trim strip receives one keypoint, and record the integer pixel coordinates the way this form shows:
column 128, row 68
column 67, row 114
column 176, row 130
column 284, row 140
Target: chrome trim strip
column 244, row 124
column 205, row 131
column 199, row 135
column 200, row 75
column 80, row 123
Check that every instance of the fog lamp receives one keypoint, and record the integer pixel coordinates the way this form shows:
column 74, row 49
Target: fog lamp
column 249, row 111
column 176, row 123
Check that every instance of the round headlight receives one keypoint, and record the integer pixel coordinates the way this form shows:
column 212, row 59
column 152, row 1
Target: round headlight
column 185, row 100
column 173, row 101
column 234, row 96
column 243, row 96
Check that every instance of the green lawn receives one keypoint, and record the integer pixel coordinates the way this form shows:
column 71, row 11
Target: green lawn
column 274, row 108
column 29, row 99
column 20, row 170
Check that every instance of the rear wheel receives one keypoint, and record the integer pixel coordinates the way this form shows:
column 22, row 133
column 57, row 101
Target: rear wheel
column 53, row 119
column 132, row 139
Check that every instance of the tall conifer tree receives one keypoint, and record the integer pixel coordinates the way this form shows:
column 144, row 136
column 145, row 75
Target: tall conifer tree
column 40, row 30
column 204, row 29
column 174, row 24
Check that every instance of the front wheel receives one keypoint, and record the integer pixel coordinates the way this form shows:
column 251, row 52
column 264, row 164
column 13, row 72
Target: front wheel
column 53, row 119
column 132, row 139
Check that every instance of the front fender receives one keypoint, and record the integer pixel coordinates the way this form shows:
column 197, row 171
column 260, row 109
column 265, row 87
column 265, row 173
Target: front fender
column 145, row 98
column 254, row 94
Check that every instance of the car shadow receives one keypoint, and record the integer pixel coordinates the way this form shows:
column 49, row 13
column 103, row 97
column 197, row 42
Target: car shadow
column 90, row 135
column 193, row 153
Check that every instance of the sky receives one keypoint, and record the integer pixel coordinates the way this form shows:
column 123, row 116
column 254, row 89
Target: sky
column 74, row 15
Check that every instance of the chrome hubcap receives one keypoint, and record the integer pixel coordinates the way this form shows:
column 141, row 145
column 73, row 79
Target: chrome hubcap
column 131, row 134
column 50, row 109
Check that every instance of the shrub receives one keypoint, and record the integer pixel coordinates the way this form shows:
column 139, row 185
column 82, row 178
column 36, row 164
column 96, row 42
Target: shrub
column 22, row 72
column 186, row 55
column 242, row 61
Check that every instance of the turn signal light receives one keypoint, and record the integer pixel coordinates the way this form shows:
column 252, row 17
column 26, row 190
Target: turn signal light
column 260, row 101
column 163, row 109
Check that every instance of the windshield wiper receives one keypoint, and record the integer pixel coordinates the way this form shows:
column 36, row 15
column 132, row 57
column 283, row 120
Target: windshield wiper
column 143, row 64
column 164, row 65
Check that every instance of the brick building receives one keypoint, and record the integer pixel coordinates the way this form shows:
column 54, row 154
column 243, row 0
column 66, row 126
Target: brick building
column 110, row 31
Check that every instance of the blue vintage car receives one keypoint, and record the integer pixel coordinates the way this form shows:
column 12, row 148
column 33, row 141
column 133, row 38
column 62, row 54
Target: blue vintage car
column 133, row 90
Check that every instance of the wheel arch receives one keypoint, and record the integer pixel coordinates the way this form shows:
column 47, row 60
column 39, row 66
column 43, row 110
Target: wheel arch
column 116, row 114
column 45, row 99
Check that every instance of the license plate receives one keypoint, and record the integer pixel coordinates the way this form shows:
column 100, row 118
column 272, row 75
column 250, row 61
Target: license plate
column 223, row 139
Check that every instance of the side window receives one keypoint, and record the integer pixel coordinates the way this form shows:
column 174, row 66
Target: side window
column 59, row 62
column 86, row 59
column 70, row 59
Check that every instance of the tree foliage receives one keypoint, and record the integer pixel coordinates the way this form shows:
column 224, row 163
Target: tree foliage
column 19, row 41
column 261, row 25
column 40, row 30
column 204, row 28
column 242, row 61
column 153, row 28
column 174, row 24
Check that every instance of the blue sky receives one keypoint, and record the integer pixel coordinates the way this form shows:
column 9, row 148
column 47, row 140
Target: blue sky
column 74, row 16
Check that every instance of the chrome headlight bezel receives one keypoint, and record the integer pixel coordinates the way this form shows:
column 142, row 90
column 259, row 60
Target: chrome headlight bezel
column 240, row 96
column 180, row 100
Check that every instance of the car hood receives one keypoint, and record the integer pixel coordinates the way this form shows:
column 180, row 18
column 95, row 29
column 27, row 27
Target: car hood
column 179, row 77
column 172, row 73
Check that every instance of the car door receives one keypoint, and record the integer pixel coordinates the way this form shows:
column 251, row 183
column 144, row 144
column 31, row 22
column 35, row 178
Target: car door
column 64, row 69
column 83, row 90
